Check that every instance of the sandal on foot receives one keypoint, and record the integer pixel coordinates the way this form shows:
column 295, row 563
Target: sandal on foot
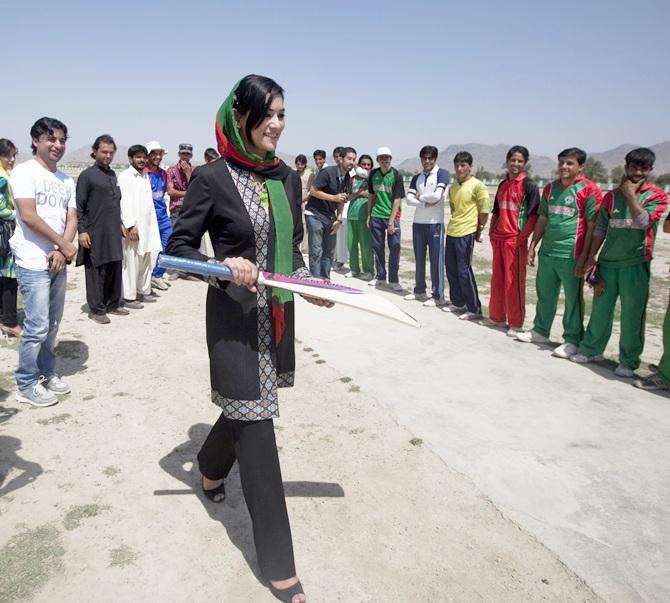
column 287, row 594
column 219, row 491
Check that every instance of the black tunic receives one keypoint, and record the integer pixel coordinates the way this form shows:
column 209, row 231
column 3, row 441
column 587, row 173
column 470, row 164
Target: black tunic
column 99, row 214
column 246, row 366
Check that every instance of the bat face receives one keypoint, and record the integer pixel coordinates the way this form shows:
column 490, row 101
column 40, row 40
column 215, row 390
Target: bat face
column 313, row 282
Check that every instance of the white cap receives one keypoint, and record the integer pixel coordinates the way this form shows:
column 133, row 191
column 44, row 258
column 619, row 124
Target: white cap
column 384, row 151
column 154, row 145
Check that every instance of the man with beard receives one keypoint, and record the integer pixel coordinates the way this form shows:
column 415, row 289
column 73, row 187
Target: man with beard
column 142, row 242
column 100, row 233
column 625, row 230
column 46, row 222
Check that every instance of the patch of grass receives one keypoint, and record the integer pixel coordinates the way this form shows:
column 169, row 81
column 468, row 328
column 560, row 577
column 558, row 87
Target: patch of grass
column 122, row 556
column 356, row 430
column 119, row 394
column 111, row 471
column 55, row 420
column 77, row 513
column 416, row 441
column 345, row 379
column 28, row 561
column 307, row 349
column 70, row 349
column 88, row 397
column 320, row 361
column 354, row 388
column 315, row 355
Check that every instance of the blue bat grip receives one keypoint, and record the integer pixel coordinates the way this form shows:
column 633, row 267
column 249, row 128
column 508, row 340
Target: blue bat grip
column 172, row 262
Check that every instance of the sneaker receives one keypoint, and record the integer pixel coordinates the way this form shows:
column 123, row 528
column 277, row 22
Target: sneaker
column 434, row 303
column 488, row 322
column 513, row 332
column 584, row 359
column 624, row 371
column 15, row 331
column 147, row 299
column 101, row 319
column 375, row 282
column 120, row 311
column 651, row 383
column 532, row 336
column 351, row 274
column 396, row 287
column 57, row 386
column 565, row 350
column 415, row 296
column 453, row 308
column 470, row 316
column 175, row 276
column 159, row 283
column 132, row 304
column 37, row 395
column 366, row 276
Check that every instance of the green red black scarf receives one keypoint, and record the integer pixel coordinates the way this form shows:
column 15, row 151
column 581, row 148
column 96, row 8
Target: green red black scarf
column 231, row 146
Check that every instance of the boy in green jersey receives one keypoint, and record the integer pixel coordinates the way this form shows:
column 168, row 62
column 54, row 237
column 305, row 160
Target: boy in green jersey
column 625, row 230
column 565, row 225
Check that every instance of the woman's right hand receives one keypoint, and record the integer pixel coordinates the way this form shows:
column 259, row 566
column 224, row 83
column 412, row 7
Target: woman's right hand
column 245, row 273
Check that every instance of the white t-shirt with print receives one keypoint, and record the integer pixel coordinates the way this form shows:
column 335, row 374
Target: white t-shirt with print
column 54, row 194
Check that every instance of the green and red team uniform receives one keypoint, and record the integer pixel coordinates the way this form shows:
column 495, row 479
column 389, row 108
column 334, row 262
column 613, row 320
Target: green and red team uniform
column 664, row 364
column 568, row 212
column 624, row 265
column 515, row 209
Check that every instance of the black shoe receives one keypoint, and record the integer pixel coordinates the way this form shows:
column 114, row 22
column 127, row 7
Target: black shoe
column 287, row 594
column 132, row 304
column 217, row 495
column 147, row 299
column 120, row 311
column 101, row 319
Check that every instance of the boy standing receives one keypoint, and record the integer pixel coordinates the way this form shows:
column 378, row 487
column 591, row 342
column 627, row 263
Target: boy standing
column 426, row 193
column 514, row 216
column 626, row 230
column 566, row 220
column 469, row 203
column 385, row 190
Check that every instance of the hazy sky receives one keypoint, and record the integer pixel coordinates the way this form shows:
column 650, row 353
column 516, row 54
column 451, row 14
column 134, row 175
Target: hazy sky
column 547, row 74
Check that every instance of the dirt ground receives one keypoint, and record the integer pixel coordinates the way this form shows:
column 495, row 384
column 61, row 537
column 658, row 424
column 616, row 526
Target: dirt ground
column 99, row 500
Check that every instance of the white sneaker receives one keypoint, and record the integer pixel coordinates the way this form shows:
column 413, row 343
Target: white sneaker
column 565, row 350
column 374, row 282
column 434, row 303
column 416, row 297
column 37, row 395
column 494, row 323
column 351, row 274
column 532, row 336
column 57, row 386
column 624, row 371
column 453, row 308
column 159, row 284
column 513, row 332
column 396, row 287
column 584, row 359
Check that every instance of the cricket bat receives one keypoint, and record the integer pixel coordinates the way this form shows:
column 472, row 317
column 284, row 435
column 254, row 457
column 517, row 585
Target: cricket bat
column 339, row 294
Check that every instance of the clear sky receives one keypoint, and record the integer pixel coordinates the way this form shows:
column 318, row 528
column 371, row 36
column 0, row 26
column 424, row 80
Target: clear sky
column 547, row 74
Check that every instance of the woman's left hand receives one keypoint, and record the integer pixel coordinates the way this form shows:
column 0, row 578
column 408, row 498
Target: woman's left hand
column 318, row 301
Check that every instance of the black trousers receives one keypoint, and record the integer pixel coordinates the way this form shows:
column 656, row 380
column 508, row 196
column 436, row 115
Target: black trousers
column 253, row 444
column 103, row 286
column 8, row 315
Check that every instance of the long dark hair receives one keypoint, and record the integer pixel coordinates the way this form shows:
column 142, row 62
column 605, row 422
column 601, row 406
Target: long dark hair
column 7, row 147
column 254, row 96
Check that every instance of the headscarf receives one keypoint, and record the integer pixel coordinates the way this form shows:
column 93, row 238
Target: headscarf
column 231, row 146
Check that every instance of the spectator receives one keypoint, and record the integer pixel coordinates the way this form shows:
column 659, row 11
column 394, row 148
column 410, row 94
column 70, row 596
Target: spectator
column 359, row 239
column 159, row 185
column 9, row 323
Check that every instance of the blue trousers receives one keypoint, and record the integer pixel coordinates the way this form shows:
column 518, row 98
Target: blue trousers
column 378, row 229
column 430, row 237
column 321, row 246
column 462, row 284
column 165, row 229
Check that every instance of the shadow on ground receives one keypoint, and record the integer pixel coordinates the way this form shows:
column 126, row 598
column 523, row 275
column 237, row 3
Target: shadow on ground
column 10, row 460
column 232, row 513
column 72, row 356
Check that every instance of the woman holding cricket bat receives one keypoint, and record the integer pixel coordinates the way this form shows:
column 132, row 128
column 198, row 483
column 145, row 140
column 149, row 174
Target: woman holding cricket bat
column 250, row 204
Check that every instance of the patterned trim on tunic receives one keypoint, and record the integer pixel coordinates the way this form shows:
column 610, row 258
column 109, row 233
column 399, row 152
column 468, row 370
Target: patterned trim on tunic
column 267, row 406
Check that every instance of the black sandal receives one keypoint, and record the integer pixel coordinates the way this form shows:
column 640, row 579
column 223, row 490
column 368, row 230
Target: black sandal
column 287, row 594
column 214, row 492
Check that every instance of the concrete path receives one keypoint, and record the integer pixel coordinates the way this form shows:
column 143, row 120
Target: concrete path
column 572, row 454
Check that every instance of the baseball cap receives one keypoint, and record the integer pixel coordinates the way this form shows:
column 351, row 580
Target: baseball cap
column 384, row 151
column 154, row 145
column 186, row 147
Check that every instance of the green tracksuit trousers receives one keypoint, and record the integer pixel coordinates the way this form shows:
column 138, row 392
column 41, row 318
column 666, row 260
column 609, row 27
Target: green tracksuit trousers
column 551, row 274
column 360, row 239
column 631, row 284
column 664, row 364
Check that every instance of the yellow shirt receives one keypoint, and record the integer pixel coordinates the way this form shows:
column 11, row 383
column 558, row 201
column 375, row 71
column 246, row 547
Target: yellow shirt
column 467, row 201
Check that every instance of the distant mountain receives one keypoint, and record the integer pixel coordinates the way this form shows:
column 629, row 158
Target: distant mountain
column 492, row 157
column 83, row 155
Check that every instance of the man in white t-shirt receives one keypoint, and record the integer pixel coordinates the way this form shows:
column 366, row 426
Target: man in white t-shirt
column 46, row 223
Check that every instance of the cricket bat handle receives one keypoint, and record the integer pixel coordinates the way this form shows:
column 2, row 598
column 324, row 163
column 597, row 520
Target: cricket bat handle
column 215, row 269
